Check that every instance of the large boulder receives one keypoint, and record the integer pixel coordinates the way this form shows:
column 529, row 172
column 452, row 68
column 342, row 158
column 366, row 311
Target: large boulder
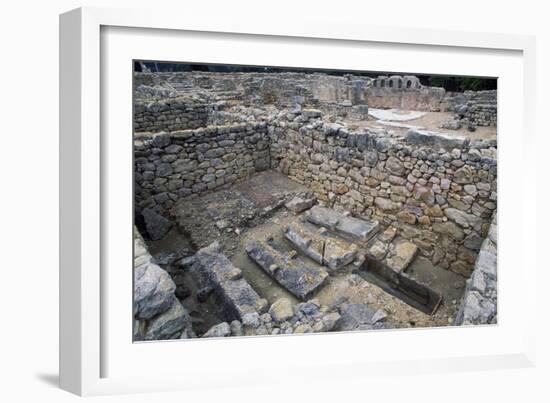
column 153, row 291
column 169, row 324
column 156, row 225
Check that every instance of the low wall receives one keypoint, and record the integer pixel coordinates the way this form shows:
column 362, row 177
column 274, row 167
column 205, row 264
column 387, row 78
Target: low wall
column 169, row 114
column 169, row 166
column 158, row 314
column 415, row 99
column 477, row 107
column 282, row 89
column 440, row 192
column 479, row 304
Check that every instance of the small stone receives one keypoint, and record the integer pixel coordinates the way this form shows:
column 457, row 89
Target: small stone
column 219, row 330
column 236, row 328
column 251, row 319
column 281, row 310
column 378, row 250
column 331, row 320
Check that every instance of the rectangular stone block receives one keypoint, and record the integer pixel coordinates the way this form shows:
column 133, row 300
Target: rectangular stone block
column 291, row 272
column 341, row 224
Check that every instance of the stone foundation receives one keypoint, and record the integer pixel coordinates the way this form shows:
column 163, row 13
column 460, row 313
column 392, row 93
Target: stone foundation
column 439, row 193
column 184, row 163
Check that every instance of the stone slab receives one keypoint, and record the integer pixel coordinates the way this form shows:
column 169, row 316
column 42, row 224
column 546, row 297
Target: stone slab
column 308, row 242
column 215, row 274
column 292, row 273
column 341, row 224
column 338, row 253
column 329, row 251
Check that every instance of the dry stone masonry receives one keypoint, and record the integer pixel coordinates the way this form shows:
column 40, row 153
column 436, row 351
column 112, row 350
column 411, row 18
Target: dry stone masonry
column 389, row 197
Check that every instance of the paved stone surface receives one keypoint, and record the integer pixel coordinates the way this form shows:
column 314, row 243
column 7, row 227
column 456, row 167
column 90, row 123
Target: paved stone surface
column 395, row 115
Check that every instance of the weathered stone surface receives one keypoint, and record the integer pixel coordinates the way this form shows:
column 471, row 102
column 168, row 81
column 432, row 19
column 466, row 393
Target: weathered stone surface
column 473, row 241
column 463, row 219
column 156, row 225
column 427, row 138
column 378, row 250
column 299, row 204
column 450, row 229
column 463, row 175
column 424, row 194
column 281, row 310
column 406, row 216
column 331, row 320
column 310, row 243
column 169, row 324
column 461, row 267
column 338, row 253
column 388, row 234
column 311, row 113
column 292, row 273
column 395, row 166
column 386, row 204
column 479, row 304
column 220, row 330
column 355, row 315
column 153, row 291
column 402, row 256
column 344, row 225
column 216, row 275
column 236, row 328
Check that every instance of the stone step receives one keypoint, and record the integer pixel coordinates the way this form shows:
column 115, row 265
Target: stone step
column 320, row 246
column 343, row 225
column 290, row 271
column 216, row 275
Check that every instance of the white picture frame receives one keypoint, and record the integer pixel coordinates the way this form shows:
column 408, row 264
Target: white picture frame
column 89, row 316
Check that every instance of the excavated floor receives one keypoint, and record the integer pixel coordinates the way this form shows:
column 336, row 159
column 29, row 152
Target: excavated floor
column 254, row 210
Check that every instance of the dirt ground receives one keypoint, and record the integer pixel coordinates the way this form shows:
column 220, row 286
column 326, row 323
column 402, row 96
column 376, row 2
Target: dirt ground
column 254, row 210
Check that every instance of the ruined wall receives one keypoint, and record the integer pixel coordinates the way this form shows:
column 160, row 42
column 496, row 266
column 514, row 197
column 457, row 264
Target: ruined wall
column 479, row 304
column 404, row 93
column 158, row 314
column 183, row 163
column 439, row 191
column 282, row 89
column 477, row 107
column 152, row 115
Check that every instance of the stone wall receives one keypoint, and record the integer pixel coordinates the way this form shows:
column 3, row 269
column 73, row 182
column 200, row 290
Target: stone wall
column 158, row 314
column 404, row 93
column 476, row 107
column 479, row 304
column 152, row 115
column 281, row 89
column 440, row 191
column 169, row 166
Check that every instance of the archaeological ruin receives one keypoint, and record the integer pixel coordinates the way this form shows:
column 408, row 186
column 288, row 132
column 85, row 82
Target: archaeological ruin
column 271, row 203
